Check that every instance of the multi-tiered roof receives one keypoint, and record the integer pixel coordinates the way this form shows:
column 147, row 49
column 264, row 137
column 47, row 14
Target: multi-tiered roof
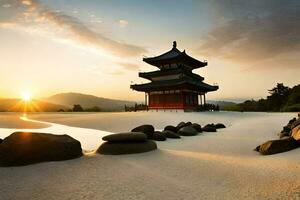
column 175, row 72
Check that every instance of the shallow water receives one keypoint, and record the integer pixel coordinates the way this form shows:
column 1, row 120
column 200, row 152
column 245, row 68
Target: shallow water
column 89, row 128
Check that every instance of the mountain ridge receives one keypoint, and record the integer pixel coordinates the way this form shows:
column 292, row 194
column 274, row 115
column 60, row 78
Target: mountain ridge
column 88, row 101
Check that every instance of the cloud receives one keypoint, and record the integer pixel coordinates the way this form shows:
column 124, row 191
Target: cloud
column 79, row 32
column 6, row 5
column 128, row 66
column 27, row 2
column 115, row 73
column 123, row 23
column 254, row 31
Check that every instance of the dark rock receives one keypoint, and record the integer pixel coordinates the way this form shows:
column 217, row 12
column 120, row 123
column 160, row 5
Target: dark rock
column 209, row 128
column 286, row 128
column 284, row 134
column 295, row 123
column 292, row 120
column 23, row 148
column 171, row 128
column 1, row 141
column 188, row 124
column 117, row 148
column 197, row 127
column 170, row 134
column 219, row 125
column 147, row 129
column 126, row 137
column 180, row 125
column 296, row 133
column 187, row 131
column 257, row 148
column 277, row 146
column 158, row 136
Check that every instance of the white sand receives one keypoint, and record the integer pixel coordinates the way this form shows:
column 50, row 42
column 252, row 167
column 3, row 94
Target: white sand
column 209, row 166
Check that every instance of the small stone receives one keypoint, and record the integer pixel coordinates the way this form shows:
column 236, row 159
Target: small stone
column 170, row 134
column 219, row 125
column 158, row 136
column 187, row 131
column 171, row 128
column 209, row 128
column 197, row 127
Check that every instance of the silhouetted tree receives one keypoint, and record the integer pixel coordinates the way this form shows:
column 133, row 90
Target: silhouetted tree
column 77, row 108
column 280, row 89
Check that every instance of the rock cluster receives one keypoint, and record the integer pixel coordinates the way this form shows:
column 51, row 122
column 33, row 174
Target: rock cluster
column 189, row 129
column 23, row 148
column 141, row 138
column 289, row 139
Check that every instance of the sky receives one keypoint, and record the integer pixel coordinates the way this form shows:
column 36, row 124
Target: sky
column 96, row 46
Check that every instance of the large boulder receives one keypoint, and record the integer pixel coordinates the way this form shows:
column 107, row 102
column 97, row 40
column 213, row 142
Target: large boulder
column 187, row 131
column 277, row 146
column 1, row 140
column 219, row 125
column 197, row 127
column 158, row 136
column 126, row 137
column 118, row 148
column 209, row 128
column 170, row 134
column 171, row 128
column 296, row 133
column 23, row 148
column 147, row 129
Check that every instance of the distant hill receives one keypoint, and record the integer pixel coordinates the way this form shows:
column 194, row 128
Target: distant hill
column 18, row 105
column 222, row 104
column 88, row 101
column 281, row 99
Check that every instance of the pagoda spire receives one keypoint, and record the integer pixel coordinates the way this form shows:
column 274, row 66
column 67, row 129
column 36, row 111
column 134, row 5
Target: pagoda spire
column 174, row 44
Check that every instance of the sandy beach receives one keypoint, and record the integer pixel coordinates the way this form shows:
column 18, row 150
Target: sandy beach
column 218, row 165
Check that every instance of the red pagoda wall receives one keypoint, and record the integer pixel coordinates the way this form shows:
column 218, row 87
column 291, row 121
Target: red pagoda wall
column 173, row 101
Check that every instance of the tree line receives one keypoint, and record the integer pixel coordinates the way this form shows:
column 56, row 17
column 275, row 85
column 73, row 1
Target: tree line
column 281, row 99
column 79, row 108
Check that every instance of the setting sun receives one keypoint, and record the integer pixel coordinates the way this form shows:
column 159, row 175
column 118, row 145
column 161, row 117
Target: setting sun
column 26, row 96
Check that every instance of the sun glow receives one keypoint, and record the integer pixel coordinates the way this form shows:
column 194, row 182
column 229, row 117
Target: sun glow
column 26, row 96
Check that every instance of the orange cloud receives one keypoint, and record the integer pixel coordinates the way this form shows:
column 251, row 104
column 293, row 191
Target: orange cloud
column 78, row 30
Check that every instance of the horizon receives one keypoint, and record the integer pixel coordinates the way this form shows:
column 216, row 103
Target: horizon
column 96, row 47
column 29, row 97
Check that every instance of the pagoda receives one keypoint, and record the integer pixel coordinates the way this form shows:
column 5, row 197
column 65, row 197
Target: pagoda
column 174, row 85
